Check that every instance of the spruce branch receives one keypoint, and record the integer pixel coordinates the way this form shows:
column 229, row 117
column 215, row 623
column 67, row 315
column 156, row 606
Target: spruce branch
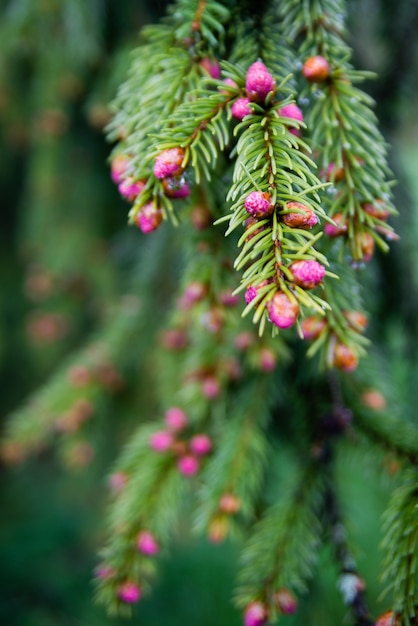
column 281, row 551
column 401, row 549
column 342, row 125
column 73, row 395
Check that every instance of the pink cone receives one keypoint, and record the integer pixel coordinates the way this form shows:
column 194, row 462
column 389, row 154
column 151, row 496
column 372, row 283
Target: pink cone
column 241, row 108
column 129, row 592
column 175, row 418
column 307, row 274
column 255, row 614
column 211, row 66
column 149, row 218
column 130, row 188
column 146, row 543
column 258, row 204
column 168, row 163
column 282, row 311
column 292, row 111
column 259, row 82
column 201, row 444
column 161, row 441
column 305, row 218
column 119, row 168
column 188, row 465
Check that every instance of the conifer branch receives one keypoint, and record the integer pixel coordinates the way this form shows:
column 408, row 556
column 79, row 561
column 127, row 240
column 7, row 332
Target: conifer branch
column 282, row 549
column 401, row 549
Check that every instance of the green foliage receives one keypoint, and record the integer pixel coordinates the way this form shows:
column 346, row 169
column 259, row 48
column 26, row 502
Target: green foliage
column 274, row 420
column 400, row 545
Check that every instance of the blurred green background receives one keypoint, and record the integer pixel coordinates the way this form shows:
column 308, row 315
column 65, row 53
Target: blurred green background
column 64, row 247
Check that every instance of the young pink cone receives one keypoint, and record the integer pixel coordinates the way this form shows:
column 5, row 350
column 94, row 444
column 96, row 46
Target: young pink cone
column 211, row 66
column 175, row 418
column 161, row 441
column 283, row 311
column 307, row 274
column 211, row 387
column 255, row 614
column 149, row 218
column 259, row 82
column 201, row 444
column 176, row 188
column 188, row 465
column 118, row 481
column 130, row 189
column 252, row 291
column 313, row 326
column 129, row 592
column 168, row 163
column 285, row 601
column 146, row 543
column 316, row 69
column 119, row 168
column 340, row 227
column 258, row 204
column 304, row 218
column 241, row 108
column 267, row 360
column 292, row 111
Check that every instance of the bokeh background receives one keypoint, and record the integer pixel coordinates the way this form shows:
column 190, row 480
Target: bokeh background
column 66, row 255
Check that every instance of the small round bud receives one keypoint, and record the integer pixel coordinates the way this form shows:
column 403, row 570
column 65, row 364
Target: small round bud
column 188, row 465
column 174, row 339
column 175, row 418
column 194, row 292
column 259, row 82
column 104, row 572
column 304, row 218
column 211, row 388
column 169, row 163
column 161, row 441
column 146, row 543
column 228, row 299
column 307, row 274
column 388, row 619
column 258, row 204
column 366, row 244
column 345, row 358
column 255, row 614
column 201, row 444
column 249, row 223
column 229, row 503
column 285, row 601
column 267, row 360
column 211, row 66
column 118, row 481
column 333, row 173
column 316, row 69
column 119, row 167
column 292, row 111
column 176, row 187
column 373, row 399
column 340, row 228
column 130, row 188
column 252, row 291
column 129, row 592
column 377, row 209
column 356, row 320
column 149, row 218
column 241, row 108
column 313, row 326
column 201, row 217
column 244, row 340
column 283, row 311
